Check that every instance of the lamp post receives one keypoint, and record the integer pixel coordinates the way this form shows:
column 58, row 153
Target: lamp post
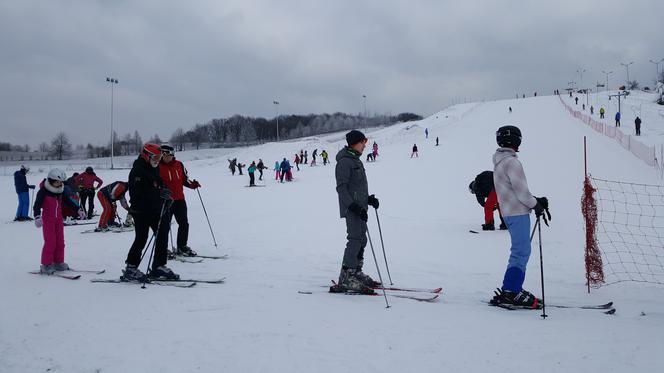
column 364, row 114
column 607, row 78
column 112, row 82
column 657, row 69
column 627, row 67
column 276, row 105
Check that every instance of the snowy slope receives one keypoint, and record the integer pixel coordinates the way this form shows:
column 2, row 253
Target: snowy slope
column 286, row 238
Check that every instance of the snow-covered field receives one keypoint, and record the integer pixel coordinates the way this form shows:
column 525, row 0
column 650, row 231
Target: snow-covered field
column 286, row 238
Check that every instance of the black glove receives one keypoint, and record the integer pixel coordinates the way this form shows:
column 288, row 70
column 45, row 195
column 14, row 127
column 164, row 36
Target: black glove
column 542, row 209
column 359, row 211
column 373, row 201
column 31, row 186
column 164, row 193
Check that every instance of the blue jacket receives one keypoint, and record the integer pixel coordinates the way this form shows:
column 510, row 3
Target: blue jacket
column 21, row 183
column 285, row 166
column 618, row 116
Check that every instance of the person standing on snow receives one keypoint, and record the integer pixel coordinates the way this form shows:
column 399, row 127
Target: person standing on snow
column 297, row 161
column 617, row 119
column 436, row 140
column 313, row 157
column 375, row 150
column 240, row 166
column 260, row 167
column 637, row 126
column 23, row 191
column 325, row 156
column 87, row 182
column 232, row 163
column 285, row 168
column 174, row 175
column 601, row 113
column 277, row 170
column 48, row 216
column 516, row 202
column 150, row 201
column 306, row 158
column 482, row 188
column 251, row 170
column 576, row 100
column 108, row 196
column 426, row 133
column 354, row 200
column 414, row 153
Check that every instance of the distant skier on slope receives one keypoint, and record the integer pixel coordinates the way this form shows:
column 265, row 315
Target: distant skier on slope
column 354, row 200
column 260, row 166
column 325, row 157
column 232, row 163
column 277, row 170
column 414, row 153
column 482, row 188
column 251, row 170
column 516, row 202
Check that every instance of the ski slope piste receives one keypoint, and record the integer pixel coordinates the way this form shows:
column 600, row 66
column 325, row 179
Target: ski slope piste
column 285, row 242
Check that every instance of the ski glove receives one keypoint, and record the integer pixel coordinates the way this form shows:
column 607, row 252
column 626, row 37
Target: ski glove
column 373, row 201
column 38, row 222
column 164, row 193
column 542, row 209
column 359, row 211
column 31, row 186
column 81, row 214
column 195, row 184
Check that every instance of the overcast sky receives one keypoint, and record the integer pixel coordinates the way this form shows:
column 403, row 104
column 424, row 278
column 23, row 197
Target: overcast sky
column 184, row 62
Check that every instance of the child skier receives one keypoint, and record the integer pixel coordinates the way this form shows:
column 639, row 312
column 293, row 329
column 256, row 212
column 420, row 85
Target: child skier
column 87, row 181
column 48, row 216
column 251, row 170
column 482, row 188
column 516, row 203
column 108, row 196
column 260, row 167
column 277, row 170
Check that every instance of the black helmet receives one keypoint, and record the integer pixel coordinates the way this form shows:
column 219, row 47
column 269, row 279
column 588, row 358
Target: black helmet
column 471, row 187
column 89, row 170
column 508, row 137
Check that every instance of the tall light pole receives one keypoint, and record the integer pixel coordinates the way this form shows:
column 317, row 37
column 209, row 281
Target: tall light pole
column 607, row 78
column 364, row 99
column 627, row 67
column 276, row 105
column 580, row 72
column 112, row 82
column 657, row 69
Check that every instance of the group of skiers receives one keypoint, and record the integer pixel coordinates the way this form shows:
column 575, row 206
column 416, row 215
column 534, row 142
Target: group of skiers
column 282, row 169
column 505, row 189
column 617, row 117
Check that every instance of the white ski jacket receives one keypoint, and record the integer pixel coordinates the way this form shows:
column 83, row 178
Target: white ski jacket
column 511, row 184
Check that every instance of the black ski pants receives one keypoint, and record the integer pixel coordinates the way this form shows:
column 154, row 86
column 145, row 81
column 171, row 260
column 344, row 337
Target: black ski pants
column 88, row 195
column 143, row 223
column 252, row 180
column 179, row 211
column 356, row 231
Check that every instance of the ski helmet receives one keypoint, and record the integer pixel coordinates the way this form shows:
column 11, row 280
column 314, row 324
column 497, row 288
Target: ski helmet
column 151, row 153
column 508, row 137
column 471, row 187
column 166, row 149
column 89, row 170
column 57, row 174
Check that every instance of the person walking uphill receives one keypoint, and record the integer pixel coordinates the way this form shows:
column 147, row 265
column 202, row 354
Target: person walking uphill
column 175, row 177
column 354, row 200
column 87, row 181
column 23, row 191
column 516, row 202
column 48, row 216
column 149, row 204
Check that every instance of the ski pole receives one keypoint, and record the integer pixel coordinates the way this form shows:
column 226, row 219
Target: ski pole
column 387, row 304
column 539, row 230
column 382, row 244
column 154, row 235
column 208, row 218
column 32, row 198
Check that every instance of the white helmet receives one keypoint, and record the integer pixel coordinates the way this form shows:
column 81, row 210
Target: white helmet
column 57, row 174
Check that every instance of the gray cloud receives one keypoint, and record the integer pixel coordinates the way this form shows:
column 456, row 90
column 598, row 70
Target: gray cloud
column 180, row 63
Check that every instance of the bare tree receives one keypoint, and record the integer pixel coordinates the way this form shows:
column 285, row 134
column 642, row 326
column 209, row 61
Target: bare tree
column 633, row 85
column 60, row 146
column 155, row 139
column 178, row 139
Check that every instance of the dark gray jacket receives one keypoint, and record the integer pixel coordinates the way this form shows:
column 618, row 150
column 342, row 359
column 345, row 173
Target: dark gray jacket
column 351, row 180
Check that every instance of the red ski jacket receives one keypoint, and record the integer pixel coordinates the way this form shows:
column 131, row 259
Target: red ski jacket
column 174, row 176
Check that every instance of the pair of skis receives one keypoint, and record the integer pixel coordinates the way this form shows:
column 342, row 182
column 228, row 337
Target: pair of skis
column 392, row 291
column 196, row 258
column 606, row 307
column 67, row 274
column 181, row 283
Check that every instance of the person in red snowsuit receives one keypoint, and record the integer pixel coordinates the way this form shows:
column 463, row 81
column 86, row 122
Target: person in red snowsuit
column 108, row 196
column 86, row 182
column 483, row 189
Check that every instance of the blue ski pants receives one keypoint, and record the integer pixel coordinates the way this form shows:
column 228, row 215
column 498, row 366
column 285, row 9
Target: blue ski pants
column 519, row 228
column 23, row 204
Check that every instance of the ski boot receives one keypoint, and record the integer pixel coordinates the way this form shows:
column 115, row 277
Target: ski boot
column 510, row 299
column 349, row 282
column 47, row 269
column 488, row 227
column 185, row 251
column 59, row 267
column 133, row 274
column 101, row 229
column 366, row 280
column 163, row 273
column 171, row 254
column 503, row 226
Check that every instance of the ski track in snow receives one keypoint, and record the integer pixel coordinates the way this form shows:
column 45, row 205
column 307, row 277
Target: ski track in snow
column 286, row 238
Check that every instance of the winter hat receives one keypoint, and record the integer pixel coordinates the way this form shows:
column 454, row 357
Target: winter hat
column 355, row 136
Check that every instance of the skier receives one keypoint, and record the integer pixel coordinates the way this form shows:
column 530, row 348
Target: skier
column 277, row 170
column 375, row 150
column 297, row 161
column 436, row 140
column 370, row 157
column 516, row 203
column 23, row 191
column 426, row 133
column 510, row 110
column 232, row 163
column 576, row 100
column 414, row 151
column 354, row 200
column 325, row 157
column 285, row 169
column 584, row 107
column 482, row 188
column 301, row 156
column 592, row 110
column 313, row 157
column 601, row 113
column 251, row 170
column 617, row 119
column 174, row 176
column 306, row 157
column 71, row 192
column 637, row 125
column 108, row 196
column 87, row 181
column 150, row 201
column 240, row 166
column 48, row 216
column 261, row 167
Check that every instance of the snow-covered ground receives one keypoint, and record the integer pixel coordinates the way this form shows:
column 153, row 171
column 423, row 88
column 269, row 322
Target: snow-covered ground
column 286, row 238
